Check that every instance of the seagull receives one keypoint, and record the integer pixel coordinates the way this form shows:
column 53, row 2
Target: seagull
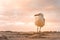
column 39, row 21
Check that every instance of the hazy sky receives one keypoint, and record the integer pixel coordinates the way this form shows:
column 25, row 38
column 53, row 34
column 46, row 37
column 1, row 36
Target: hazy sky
column 18, row 15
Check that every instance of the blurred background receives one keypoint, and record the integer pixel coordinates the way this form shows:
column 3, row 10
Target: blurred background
column 18, row 15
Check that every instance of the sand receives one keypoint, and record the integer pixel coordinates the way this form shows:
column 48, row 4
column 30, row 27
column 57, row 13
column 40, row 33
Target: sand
column 9, row 35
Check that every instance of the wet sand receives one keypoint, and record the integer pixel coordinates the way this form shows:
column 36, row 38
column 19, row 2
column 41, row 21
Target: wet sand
column 8, row 35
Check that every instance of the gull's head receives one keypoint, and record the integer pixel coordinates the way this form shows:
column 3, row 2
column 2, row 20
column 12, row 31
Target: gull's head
column 39, row 14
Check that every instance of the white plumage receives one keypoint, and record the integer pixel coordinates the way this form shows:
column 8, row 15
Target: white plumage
column 39, row 20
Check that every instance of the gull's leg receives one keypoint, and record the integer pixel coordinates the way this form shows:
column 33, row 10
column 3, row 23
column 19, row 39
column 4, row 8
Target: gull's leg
column 37, row 29
column 40, row 29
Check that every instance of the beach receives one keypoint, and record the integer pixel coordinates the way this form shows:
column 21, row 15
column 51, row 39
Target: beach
column 9, row 35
